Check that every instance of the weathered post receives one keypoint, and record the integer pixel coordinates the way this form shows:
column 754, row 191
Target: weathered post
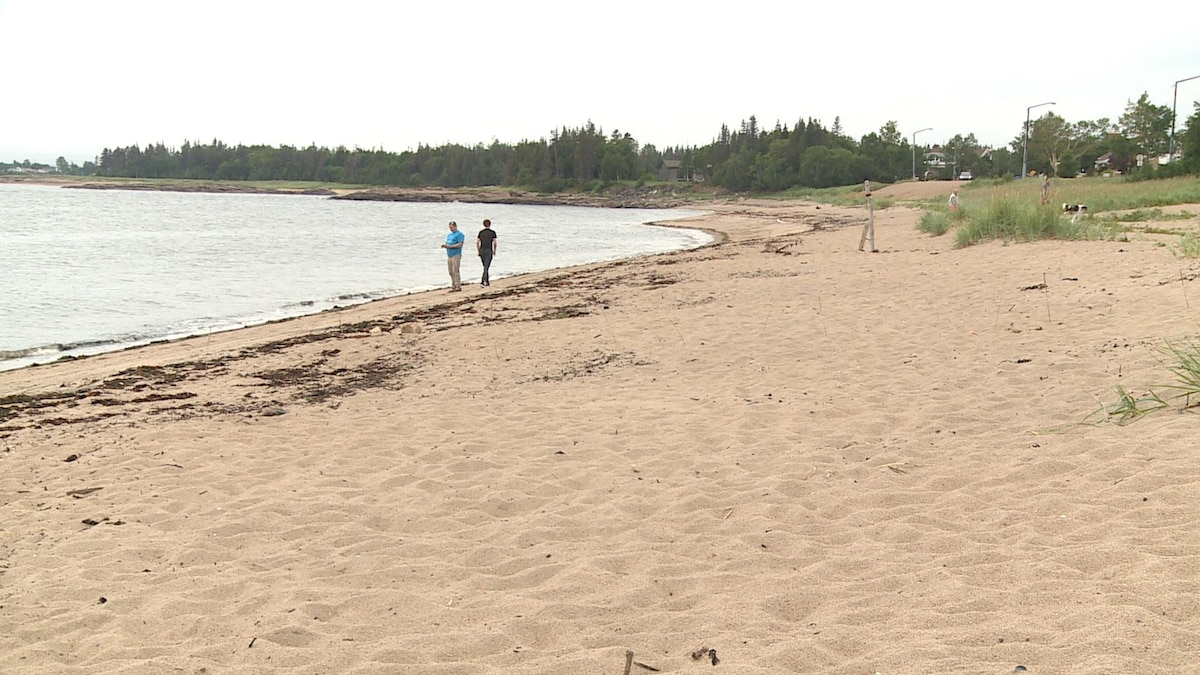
column 868, row 229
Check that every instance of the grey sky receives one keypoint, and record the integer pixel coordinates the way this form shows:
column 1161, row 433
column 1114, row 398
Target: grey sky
column 81, row 75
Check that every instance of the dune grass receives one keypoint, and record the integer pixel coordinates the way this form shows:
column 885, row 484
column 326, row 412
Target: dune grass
column 1009, row 219
column 1181, row 359
column 1011, row 210
column 1100, row 194
column 1116, row 194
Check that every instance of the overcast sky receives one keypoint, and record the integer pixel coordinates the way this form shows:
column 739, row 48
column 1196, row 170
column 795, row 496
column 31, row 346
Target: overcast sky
column 80, row 75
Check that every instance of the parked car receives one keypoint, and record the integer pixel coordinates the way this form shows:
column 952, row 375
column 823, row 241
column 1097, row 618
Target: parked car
column 966, row 175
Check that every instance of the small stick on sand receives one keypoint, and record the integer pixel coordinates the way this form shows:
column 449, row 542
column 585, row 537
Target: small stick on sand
column 628, row 661
column 1048, row 319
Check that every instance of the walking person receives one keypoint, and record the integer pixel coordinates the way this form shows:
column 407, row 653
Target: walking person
column 485, row 246
column 953, row 201
column 1046, row 189
column 454, row 246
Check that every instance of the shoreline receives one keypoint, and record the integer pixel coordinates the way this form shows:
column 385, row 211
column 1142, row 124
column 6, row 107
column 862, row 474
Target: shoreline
column 515, row 280
column 323, row 321
column 48, row 353
column 626, row 197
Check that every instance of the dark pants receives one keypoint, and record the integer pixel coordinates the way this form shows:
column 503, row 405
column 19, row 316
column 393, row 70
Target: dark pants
column 486, row 259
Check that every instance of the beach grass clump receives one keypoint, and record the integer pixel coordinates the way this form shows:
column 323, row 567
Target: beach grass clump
column 1011, row 219
column 1185, row 367
column 934, row 223
column 958, row 216
column 1182, row 361
column 1130, row 408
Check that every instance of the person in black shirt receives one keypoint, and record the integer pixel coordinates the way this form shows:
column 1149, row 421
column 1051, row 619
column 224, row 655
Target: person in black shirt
column 485, row 246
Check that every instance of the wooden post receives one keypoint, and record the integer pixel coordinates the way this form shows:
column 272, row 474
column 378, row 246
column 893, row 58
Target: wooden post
column 868, row 229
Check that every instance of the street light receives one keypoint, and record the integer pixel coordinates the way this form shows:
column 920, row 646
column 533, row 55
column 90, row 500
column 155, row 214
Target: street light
column 1173, row 102
column 1025, row 149
column 915, row 150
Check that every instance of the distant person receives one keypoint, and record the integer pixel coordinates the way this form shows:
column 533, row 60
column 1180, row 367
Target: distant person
column 453, row 246
column 485, row 246
column 1046, row 189
column 953, row 202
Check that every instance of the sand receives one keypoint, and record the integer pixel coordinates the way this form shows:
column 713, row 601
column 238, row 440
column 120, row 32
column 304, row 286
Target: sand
column 808, row 458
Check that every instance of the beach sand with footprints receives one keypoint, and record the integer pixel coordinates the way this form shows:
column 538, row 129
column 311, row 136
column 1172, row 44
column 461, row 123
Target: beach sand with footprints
column 777, row 449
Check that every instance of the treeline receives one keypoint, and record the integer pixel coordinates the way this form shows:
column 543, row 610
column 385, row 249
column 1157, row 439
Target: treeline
column 806, row 154
column 570, row 158
column 60, row 166
column 748, row 158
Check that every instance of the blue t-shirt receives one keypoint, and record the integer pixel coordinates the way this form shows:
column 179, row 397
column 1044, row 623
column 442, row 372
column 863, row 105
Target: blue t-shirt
column 452, row 239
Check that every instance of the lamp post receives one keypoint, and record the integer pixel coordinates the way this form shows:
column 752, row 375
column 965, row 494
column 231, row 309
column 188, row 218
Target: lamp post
column 1025, row 148
column 1175, row 100
column 915, row 150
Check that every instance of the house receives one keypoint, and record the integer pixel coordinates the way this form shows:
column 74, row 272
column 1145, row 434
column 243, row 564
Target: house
column 669, row 170
column 935, row 159
column 935, row 164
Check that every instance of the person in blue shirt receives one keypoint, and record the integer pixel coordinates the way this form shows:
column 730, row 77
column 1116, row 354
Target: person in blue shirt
column 453, row 246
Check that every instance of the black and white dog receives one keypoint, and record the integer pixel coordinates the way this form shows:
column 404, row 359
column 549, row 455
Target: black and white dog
column 1076, row 209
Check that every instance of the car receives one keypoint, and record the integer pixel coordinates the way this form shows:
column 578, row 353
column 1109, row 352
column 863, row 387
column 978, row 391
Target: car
column 966, row 175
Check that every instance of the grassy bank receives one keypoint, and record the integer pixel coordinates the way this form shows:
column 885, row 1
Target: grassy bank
column 1012, row 211
column 849, row 195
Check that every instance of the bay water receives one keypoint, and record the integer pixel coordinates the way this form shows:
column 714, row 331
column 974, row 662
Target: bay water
column 87, row 271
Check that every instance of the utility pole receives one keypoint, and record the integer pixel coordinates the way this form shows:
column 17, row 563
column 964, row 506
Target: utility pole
column 914, row 149
column 1025, row 149
column 1174, row 101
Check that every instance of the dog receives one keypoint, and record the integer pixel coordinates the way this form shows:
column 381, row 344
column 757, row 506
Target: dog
column 1076, row 210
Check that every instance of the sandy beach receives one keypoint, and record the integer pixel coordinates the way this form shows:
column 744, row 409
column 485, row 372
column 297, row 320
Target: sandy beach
column 807, row 458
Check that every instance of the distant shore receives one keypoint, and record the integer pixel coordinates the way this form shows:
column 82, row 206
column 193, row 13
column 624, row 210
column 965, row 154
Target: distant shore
column 627, row 197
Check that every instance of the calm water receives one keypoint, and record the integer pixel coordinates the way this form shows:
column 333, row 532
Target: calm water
column 86, row 271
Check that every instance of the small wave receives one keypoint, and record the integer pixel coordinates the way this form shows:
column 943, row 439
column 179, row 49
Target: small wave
column 6, row 355
column 44, row 353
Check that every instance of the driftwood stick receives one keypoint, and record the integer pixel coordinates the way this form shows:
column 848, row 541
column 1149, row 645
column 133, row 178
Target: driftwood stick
column 628, row 661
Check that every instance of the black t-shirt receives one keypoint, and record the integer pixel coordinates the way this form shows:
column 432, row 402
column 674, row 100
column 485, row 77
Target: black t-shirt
column 486, row 237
